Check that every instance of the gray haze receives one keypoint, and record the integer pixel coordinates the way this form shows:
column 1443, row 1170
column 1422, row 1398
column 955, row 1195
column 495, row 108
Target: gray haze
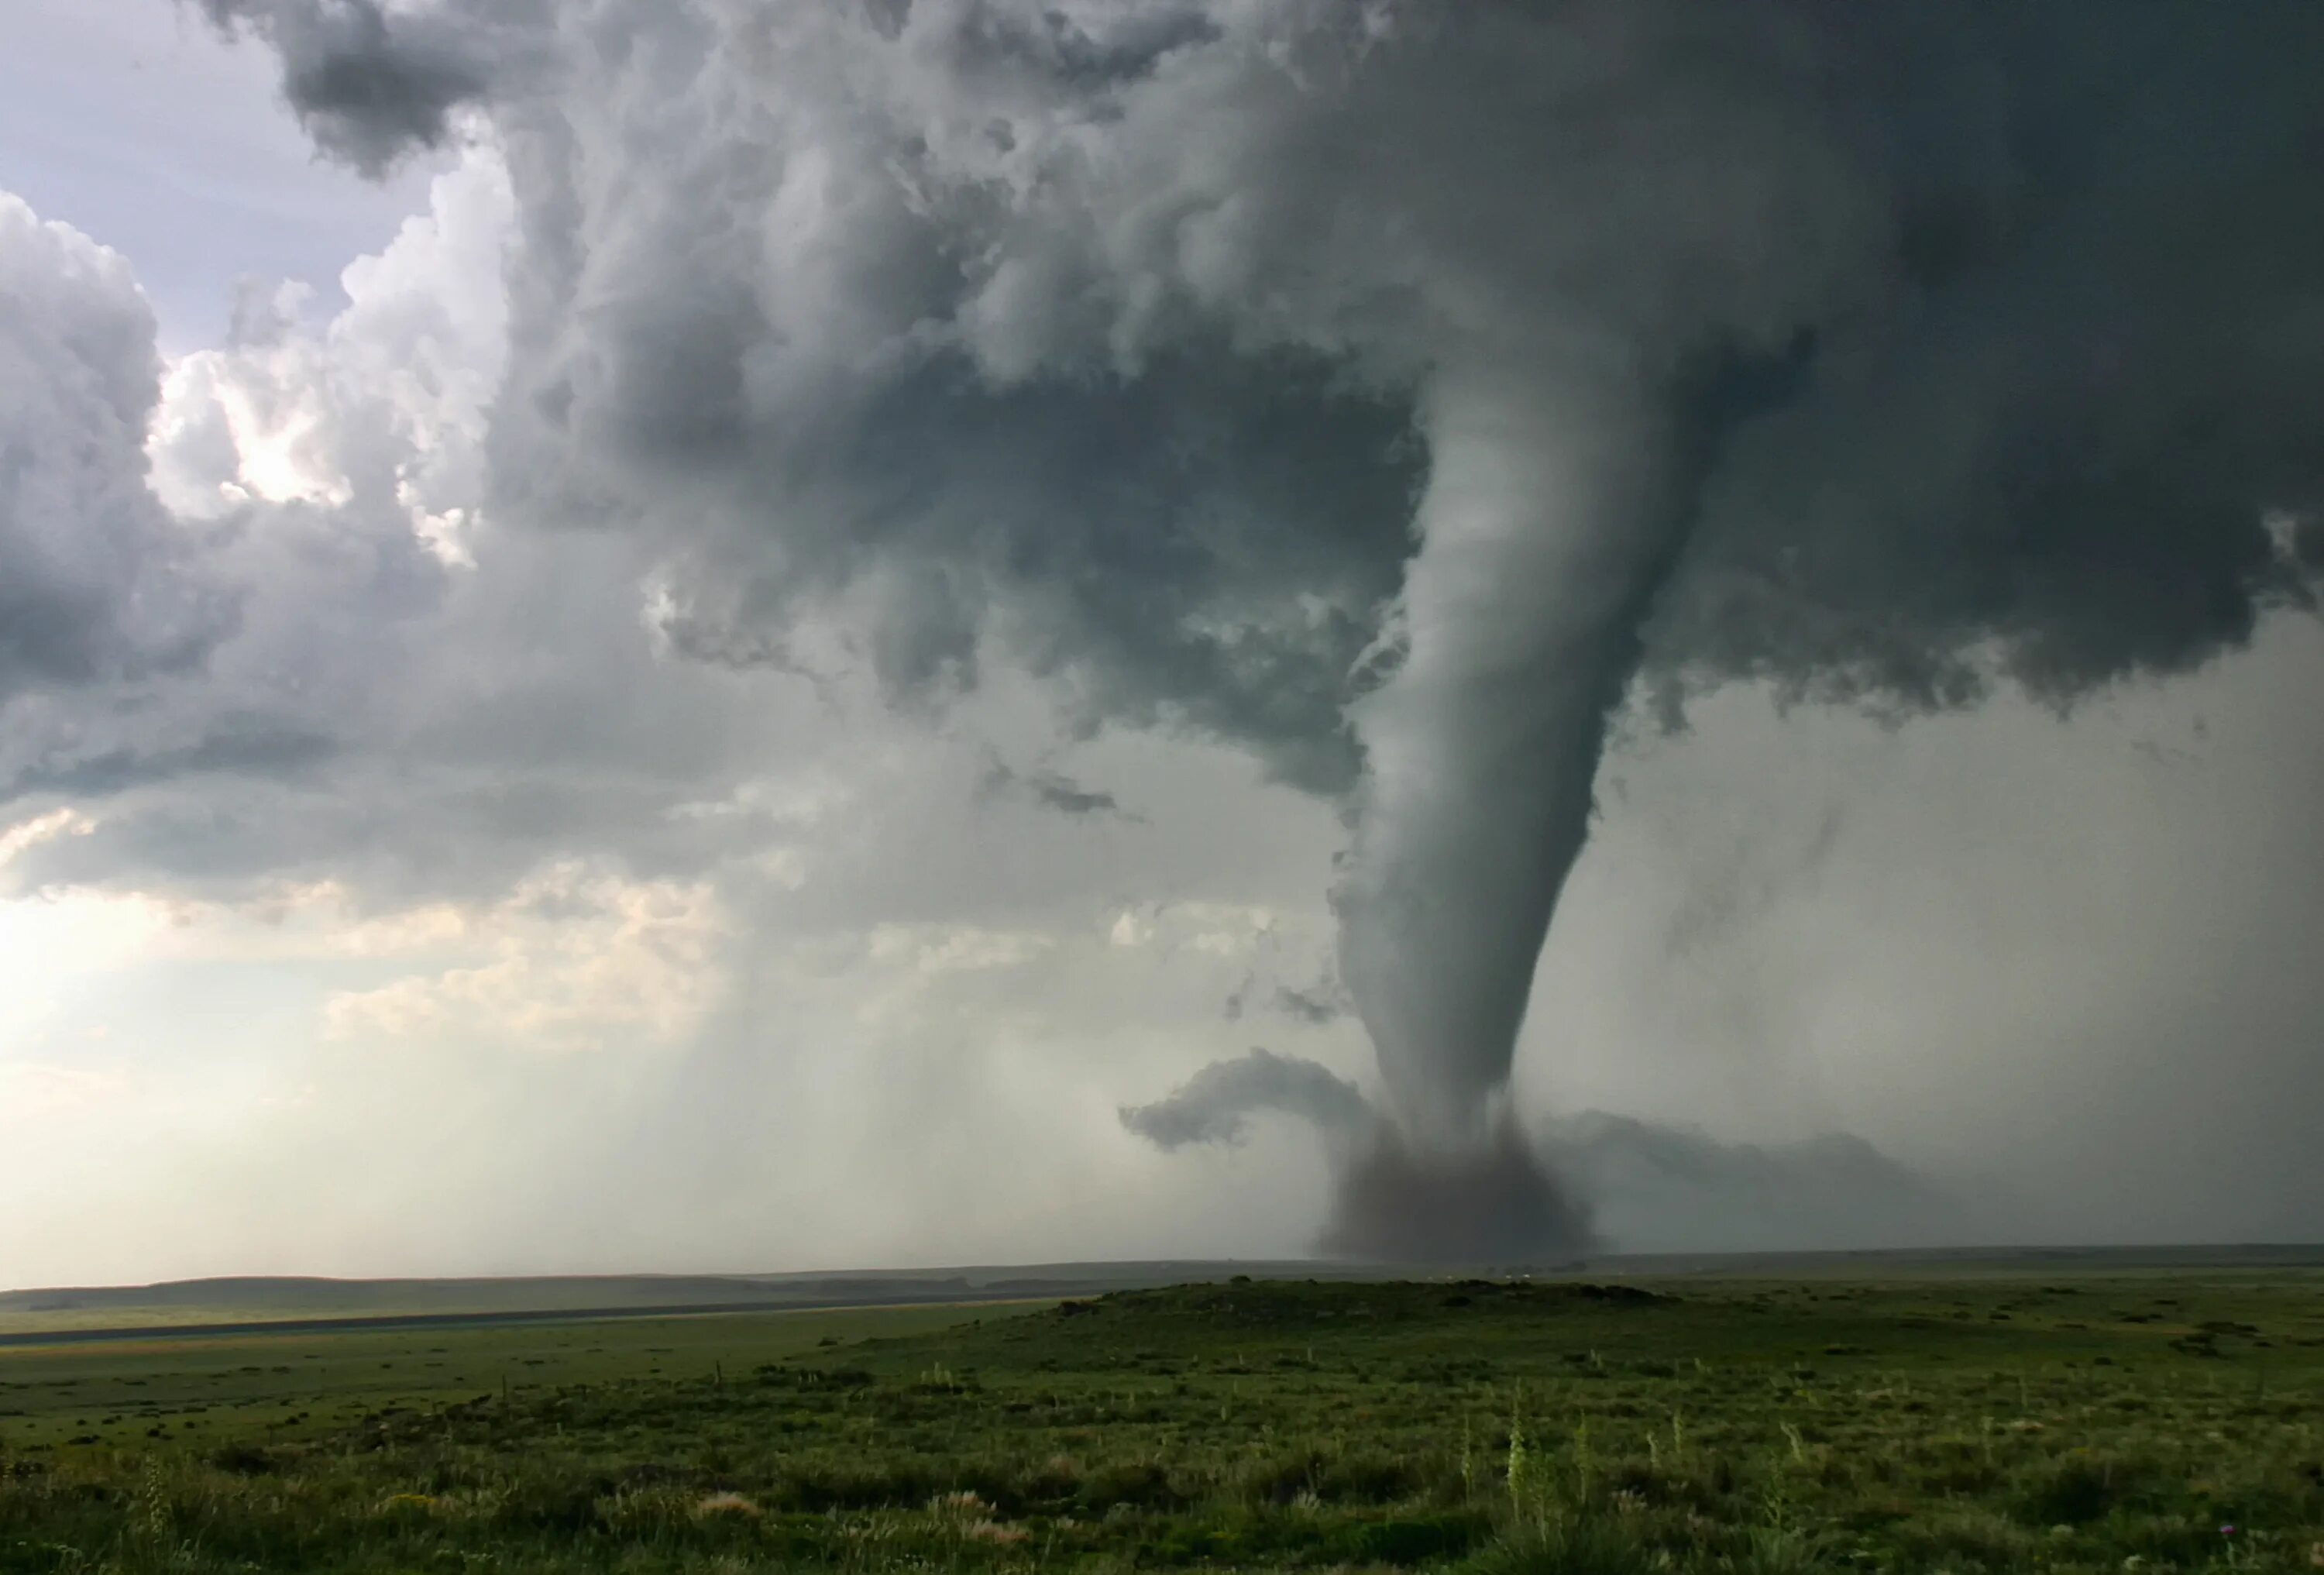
column 865, row 547
column 1659, row 1188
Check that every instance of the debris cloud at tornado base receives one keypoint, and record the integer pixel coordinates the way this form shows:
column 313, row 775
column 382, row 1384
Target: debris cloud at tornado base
column 1398, row 390
column 1492, row 1199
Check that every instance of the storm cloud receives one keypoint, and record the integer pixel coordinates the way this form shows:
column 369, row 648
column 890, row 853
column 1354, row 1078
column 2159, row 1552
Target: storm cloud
column 370, row 84
column 940, row 280
column 1400, row 391
column 97, row 582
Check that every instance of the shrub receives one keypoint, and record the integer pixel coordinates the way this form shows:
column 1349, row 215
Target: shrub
column 1584, row 1546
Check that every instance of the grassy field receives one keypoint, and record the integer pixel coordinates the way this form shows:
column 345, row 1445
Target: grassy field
column 143, row 1395
column 2088, row 1423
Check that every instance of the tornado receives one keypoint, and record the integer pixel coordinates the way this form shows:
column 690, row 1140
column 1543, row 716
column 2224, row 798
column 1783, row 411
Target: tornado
column 1545, row 526
column 1537, row 546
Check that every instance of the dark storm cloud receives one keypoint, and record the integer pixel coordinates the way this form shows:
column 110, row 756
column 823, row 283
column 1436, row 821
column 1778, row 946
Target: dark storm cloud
column 1389, row 388
column 1244, row 525
column 2062, row 441
column 372, row 84
column 2043, row 415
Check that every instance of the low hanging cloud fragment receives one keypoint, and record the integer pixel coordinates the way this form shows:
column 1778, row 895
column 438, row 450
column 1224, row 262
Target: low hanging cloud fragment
column 1216, row 1104
column 1316, row 1005
column 1046, row 787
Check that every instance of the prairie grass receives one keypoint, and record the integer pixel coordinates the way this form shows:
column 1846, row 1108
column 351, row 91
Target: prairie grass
column 2139, row 1424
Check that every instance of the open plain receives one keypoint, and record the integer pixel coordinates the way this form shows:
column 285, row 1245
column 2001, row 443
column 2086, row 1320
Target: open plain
column 2104, row 1416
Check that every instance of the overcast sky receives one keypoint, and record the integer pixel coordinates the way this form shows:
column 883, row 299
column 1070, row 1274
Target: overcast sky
column 547, row 722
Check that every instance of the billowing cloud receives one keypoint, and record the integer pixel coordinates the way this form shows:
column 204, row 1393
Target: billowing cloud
column 902, row 255
column 241, row 551
column 1391, row 390
column 97, row 582
column 380, row 686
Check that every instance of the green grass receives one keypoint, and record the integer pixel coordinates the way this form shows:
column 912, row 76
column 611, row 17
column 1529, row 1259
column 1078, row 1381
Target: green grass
column 286, row 1387
column 1961, row 1425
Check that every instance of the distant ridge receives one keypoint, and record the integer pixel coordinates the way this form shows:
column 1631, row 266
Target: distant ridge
column 239, row 1303
column 242, row 1301
column 547, row 1293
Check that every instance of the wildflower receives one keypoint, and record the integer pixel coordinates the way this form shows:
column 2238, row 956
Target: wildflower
column 2228, row 1530
column 1520, row 1455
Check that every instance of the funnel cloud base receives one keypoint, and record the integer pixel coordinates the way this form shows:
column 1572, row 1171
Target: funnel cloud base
column 1489, row 1199
column 1491, row 1202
